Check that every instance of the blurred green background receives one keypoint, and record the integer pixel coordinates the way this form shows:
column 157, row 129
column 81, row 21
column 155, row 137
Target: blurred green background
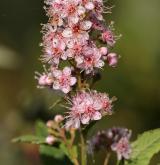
column 135, row 82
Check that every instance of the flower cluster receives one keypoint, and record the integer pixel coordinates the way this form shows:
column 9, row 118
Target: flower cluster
column 88, row 106
column 115, row 139
column 66, row 36
column 55, row 130
column 58, row 79
column 68, row 41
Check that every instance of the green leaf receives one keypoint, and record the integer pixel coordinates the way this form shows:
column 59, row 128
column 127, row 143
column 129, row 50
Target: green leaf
column 72, row 153
column 64, row 149
column 145, row 147
column 51, row 151
column 29, row 139
column 41, row 129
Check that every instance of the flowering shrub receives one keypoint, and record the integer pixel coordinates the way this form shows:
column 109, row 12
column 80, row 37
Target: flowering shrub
column 77, row 44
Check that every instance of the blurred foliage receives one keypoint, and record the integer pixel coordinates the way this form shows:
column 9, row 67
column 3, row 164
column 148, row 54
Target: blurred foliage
column 135, row 81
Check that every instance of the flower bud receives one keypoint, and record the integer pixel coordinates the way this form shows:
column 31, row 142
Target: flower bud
column 42, row 80
column 89, row 6
column 49, row 123
column 58, row 118
column 49, row 81
column 112, row 59
column 108, row 37
column 50, row 140
column 104, row 51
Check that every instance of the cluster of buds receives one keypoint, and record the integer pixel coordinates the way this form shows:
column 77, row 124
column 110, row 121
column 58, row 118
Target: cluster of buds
column 58, row 133
column 55, row 129
column 68, row 40
column 114, row 139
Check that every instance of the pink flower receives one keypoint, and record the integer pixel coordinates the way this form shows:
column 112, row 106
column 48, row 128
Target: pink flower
column 77, row 32
column 87, row 106
column 74, row 50
column 108, row 37
column 63, row 80
column 90, row 59
column 123, row 148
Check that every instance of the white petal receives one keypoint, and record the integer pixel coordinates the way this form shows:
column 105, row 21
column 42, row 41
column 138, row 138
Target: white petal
column 69, row 53
column 60, row 22
column 64, row 56
column 55, row 42
column 76, row 123
column 57, row 73
column 100, row 64
column 67, row 33
column 97, row 116
column 66, row 89
column 81, row 10
column 73, row 81
column 89, row 6
column 73, row 20
column 85, row 119
column 62, row 45
column 70, row 43
column 56, row 85
column 79, row 59
column 67, row 71
column 86, row 25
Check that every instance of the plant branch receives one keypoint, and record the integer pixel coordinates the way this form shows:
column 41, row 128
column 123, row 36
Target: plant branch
column 106, row 161
column 83, row 150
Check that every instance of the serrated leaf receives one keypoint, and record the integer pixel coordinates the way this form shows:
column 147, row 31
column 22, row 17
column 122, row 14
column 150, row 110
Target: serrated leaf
column 51, row 151
column 145, row 147
column 29, row 139
column 41, row 129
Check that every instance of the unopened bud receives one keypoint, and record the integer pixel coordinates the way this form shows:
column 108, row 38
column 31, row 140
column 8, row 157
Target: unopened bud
column 50, row 140
column 58, row 118
column 49, row 123
column 112, row 59
column 89, row 6
column 104, row 51
column 49, row 81
column 42, row 80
